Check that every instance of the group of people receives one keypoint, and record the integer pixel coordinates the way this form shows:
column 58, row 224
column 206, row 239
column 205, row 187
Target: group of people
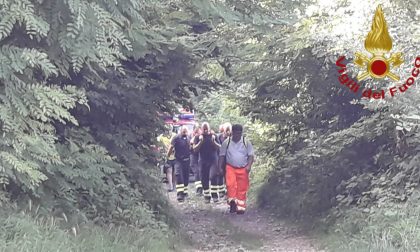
column 217, row 160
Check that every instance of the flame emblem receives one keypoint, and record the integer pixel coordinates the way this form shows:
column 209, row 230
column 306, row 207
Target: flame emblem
column 378, row 42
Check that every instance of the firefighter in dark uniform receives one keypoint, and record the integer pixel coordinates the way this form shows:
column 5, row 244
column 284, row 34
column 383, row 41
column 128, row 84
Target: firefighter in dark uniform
column 207, row 146
column 194, row 161
column 181, row 145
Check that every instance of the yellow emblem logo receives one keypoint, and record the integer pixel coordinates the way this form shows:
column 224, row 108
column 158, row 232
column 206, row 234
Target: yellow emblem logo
column 378, row 42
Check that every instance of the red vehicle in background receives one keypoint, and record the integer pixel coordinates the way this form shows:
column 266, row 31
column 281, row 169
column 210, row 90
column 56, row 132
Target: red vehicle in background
column 185, row 117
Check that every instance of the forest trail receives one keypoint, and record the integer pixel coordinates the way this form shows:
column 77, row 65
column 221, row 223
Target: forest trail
column 211, row 227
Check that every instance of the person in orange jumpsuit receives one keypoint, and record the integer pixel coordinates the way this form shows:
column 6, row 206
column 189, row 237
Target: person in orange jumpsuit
column 238, row 153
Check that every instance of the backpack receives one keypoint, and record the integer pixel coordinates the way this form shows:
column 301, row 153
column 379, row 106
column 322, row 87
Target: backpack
column 227, row 147
column 243, row 141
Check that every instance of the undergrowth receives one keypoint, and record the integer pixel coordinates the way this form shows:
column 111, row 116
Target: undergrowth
column 23, row 232
column 395, row 227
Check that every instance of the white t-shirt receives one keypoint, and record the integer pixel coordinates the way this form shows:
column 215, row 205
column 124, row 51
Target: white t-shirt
column 237, row 153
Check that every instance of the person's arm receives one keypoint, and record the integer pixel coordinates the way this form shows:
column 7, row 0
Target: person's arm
column 215, row 142
column 250, row 162
column 222, row 156
column 192, row 143
column 198, row 143
column 250, row 152
column 171, row 148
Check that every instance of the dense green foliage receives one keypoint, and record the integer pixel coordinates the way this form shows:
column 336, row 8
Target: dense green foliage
column 391, row 228
column 328, row 153
column 325, row 135
column 28, row 232
column 82, row 84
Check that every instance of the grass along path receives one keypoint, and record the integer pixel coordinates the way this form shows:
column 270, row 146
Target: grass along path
column 210, row 227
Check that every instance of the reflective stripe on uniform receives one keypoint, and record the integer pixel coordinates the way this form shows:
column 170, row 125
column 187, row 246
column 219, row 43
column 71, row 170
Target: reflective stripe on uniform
column 198, row 184
column 179, row 188
column 213, row 188
column 222, row 188
column 206, row 192
column 240, row 208
column 240, row 202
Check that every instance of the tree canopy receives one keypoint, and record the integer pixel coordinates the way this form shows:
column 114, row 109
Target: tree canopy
column 83, row 82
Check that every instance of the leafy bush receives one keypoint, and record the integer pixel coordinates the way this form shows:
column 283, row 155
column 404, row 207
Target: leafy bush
column 392, row 228
column 81, row 93
column 23, row 232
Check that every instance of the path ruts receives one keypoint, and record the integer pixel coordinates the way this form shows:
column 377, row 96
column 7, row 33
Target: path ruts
column 212, row 228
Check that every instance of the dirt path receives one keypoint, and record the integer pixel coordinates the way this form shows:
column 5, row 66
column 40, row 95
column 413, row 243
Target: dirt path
column 212, row 228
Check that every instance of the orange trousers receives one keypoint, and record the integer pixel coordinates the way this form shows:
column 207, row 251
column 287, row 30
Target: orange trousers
column 237, row 184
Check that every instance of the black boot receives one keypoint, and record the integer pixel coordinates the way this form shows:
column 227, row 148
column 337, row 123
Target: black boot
column 207, row 199
column 233, row 207
column 222, row 194
column 215, row 197
column 180, row 197
column 240, row 211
